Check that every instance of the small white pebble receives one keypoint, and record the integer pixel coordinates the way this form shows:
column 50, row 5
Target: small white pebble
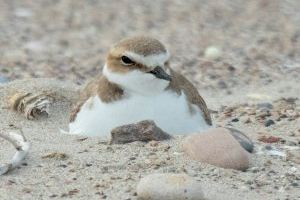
column 213, row 53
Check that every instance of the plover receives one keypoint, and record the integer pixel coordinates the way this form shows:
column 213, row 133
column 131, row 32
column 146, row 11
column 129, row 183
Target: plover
column 137, row 83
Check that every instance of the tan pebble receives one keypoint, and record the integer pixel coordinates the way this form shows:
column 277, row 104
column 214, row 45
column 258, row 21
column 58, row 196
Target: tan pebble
column 216, row 147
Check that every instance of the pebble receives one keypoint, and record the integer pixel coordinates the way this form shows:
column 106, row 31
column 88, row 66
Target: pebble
column 269, row 139
column 169, row 187
column 235, row 120
column 212, row 53
column 142, row 131
column 222, row 84
column 216, row 147
column 269, row 122
column 265, row 105
column 243, row 139
column 268, row 147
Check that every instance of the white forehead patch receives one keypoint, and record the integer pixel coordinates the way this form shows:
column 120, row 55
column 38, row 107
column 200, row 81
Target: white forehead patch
column 149, row 60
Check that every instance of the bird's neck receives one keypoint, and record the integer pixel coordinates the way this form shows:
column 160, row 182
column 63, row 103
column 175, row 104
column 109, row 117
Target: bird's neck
column 136, row 82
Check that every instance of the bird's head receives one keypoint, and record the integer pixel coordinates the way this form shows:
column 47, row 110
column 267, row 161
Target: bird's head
column 138, row 64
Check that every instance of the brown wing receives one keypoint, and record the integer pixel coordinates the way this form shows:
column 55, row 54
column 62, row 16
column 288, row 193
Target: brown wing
column 180, row 84
column 100, row 86
column 89, row 91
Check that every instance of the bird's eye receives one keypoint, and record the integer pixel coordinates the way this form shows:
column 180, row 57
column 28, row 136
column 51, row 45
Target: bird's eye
column 126, row 60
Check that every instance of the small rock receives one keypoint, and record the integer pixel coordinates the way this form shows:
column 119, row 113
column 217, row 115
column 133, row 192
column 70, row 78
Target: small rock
column 212, row 53
column 231, row 68
column 269, row 122
column 235, row 120
column 290, row 100
column 222, row 84
column 269, row 139
column 265, row 106
column 217, row 147
column 53, row 195
column 169, row 187
column 268, row 147
column 243, row 139
column 82, row 139
column 73, row 192
column 142, row 131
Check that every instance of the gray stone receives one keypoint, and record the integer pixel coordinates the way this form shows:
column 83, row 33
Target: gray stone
column 243, row 139
column 264, row 105
column 142, row 131
column 269, row 122
column 169, row 187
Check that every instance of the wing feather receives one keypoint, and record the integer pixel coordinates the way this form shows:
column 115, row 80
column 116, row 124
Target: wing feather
column 180, row 84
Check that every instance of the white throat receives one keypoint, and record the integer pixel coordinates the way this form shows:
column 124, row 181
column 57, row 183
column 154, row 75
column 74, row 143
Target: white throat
column 136, row 82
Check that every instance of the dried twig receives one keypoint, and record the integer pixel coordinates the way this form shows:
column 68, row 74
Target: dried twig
column 22, row 147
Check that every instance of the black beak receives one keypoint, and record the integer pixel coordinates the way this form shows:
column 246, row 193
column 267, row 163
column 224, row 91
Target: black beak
column 158, row 72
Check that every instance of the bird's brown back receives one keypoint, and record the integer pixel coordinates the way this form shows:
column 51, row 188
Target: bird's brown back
column 100, row 86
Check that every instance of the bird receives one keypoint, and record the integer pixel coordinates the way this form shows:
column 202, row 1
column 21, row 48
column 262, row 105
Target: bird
column 137, row 83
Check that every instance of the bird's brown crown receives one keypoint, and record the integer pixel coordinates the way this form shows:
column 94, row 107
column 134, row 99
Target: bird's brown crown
column 141, row 45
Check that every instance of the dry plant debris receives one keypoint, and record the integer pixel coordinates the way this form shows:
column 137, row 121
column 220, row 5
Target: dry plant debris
column 31, row 105
column 22, row 146
column 56, row 156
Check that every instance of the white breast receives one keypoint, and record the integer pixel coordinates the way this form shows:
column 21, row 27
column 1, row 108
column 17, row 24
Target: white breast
column 169, row 111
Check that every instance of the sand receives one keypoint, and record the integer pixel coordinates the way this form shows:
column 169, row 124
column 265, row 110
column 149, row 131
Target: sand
column 68, row 40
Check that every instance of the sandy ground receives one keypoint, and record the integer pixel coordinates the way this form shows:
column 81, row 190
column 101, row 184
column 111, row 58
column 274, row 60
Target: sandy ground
column 68, row 40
